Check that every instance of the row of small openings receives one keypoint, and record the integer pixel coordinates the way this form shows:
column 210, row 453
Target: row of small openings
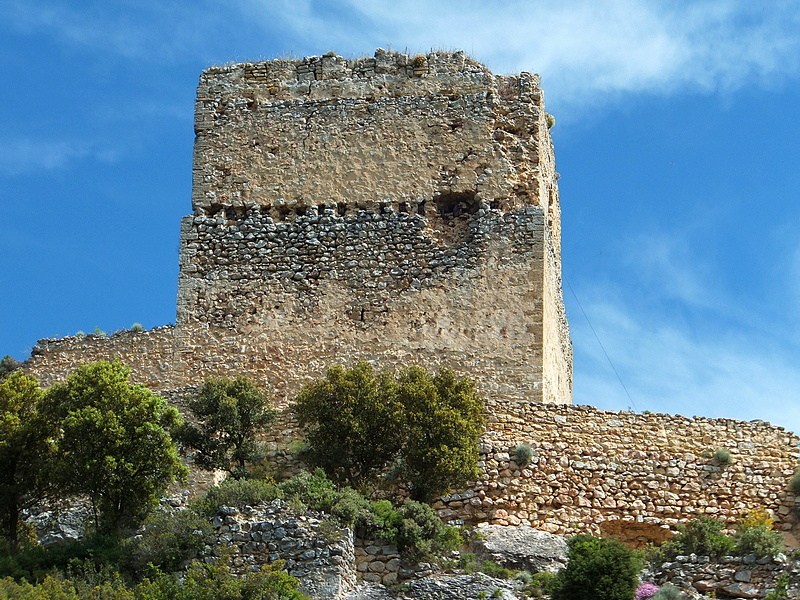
column 449, row 205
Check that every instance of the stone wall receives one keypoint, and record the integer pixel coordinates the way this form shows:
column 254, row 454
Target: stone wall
column 315, row 551
column 632, row 476
column 149, row 354
column 730, row 577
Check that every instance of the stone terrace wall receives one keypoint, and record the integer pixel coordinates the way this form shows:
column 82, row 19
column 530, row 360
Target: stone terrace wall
column 633, row 476
column 732, row 577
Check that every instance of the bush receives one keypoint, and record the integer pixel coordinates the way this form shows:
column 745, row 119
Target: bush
column 761, row 540
column 414, row 528
column 523, row 454
column 167, row 542
column 8, row 365
column 538, row 584
column 200, row 582
column 702, row 536
column 470, row 564
column 668, row 592
column 98, row 552
column 598, row 568
column 722, row 457
column 237, row 492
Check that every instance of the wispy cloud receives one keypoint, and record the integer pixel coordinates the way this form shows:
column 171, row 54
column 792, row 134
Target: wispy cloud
column 583, row 48
column 152, row 31
column 668, row 367
column 681, row 342
column 20, row 156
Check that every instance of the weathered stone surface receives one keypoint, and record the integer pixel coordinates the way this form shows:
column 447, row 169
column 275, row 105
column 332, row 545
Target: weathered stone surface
column 261, row 535
column 731, row 577
column 522, row 547
column 457, row 587
column 59, row 526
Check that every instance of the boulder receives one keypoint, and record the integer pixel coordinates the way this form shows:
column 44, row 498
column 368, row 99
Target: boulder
column 522, row 547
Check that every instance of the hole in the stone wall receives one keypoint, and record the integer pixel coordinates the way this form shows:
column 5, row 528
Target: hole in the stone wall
column 301, row 211
column 494, row 204
column 421, row 208
column 321, row 208
column 284, row 212
column 455, row 204
column 341, row 209
column 402, row 207
column 362, row 314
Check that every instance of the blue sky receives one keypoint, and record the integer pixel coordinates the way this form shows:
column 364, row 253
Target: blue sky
column 677, row 139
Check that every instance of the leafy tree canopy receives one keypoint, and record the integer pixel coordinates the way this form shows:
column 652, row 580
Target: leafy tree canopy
column 231, row 413
column 598, row 568
column 115, row 443
column 354, row 422
column 26, row 446
column 359, row 422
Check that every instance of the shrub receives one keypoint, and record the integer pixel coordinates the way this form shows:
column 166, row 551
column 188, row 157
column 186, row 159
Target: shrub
column 780, row 589
column 598, row 568
column 761, row 540
column 722, row 457
column 523, row 454
column 137, row 327
column 701, row 536
column 539, row 584
column 168, row 541
column 794, row 482
column 470, row 564
column 414, row 528
column 8, row 365
column 668, row 592
column 237, row 492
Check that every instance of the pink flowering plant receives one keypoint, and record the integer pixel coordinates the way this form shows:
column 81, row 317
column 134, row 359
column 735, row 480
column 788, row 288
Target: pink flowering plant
column 645, row 591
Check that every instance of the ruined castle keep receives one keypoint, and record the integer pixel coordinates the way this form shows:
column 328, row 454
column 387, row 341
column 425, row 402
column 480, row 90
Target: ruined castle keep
column 400, row 210
column 394, row 209
column 405, row 210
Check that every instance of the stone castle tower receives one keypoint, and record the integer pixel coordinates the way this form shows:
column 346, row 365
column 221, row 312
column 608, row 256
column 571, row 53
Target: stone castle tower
column 393, row 209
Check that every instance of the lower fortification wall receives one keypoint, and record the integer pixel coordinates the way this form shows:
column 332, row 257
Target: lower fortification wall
column 632, row 476
column 150, row 355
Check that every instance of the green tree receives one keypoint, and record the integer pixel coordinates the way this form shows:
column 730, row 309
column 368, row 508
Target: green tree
column 353, row 422
column 598, row 568
column 26, row 447
column 8, row 365
column 231, row 413
column 359, row 422
column 443, row 422
column 115, row 443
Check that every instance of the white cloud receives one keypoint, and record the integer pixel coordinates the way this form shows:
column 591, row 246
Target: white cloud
column 23, row 155
column 583, row 48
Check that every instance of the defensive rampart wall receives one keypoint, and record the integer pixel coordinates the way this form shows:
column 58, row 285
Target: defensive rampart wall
column 633, row 476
